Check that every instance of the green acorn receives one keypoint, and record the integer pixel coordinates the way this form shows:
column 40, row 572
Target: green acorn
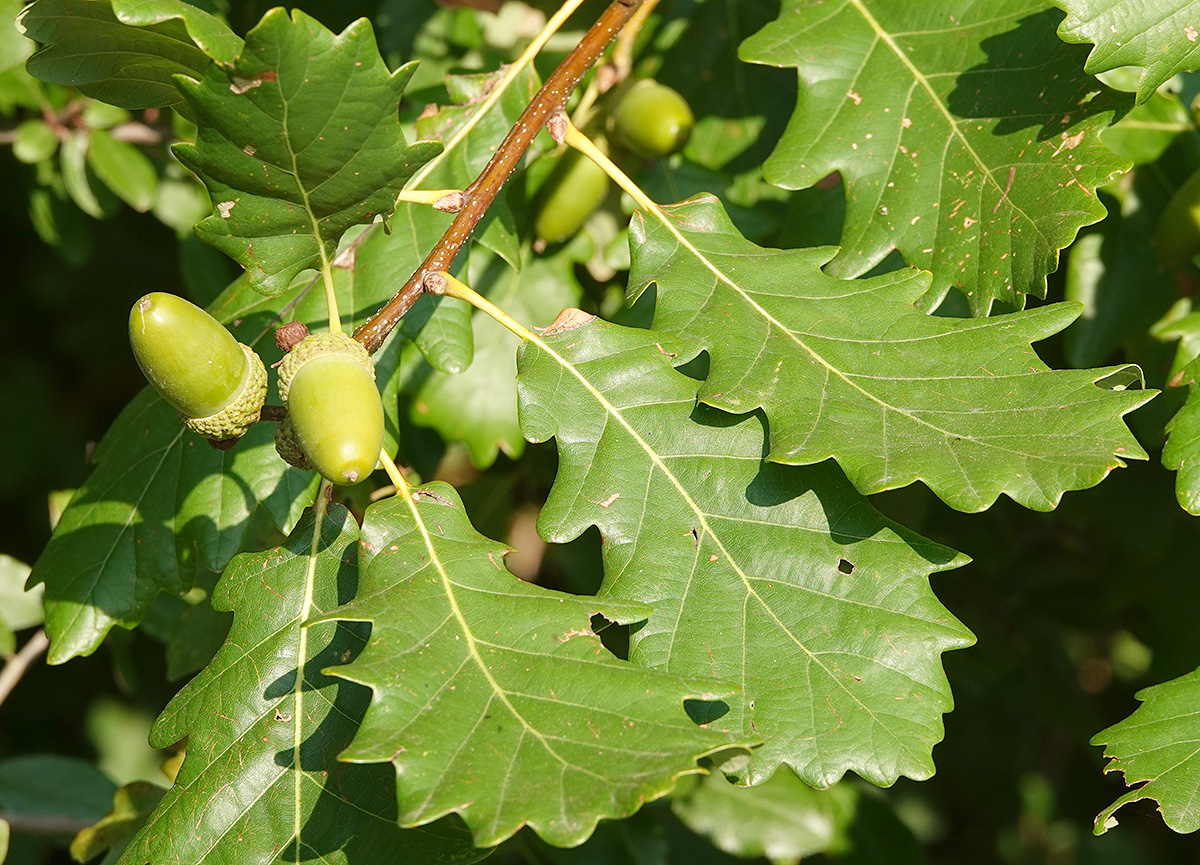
column 217, row 384
column 335, row 414
column 574, row 190
column 652, row 119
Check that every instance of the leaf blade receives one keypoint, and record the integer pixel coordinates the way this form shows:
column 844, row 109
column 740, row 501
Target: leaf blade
column 696, row 525
column 493, row 698
column 927, row 100
column 298, row 143
column 1159, row 37
column 86, row 45
column 1156, row 747
column 261, row 775
column 850, row 369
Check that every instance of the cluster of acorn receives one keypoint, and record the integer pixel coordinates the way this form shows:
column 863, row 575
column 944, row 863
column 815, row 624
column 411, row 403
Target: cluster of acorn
column 334, row 416
column 649, row 119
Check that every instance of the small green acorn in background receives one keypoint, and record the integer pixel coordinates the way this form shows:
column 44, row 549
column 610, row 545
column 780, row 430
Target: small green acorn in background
column 651, row 119
column 573, row 191
column 335, row 415
column 217, row 384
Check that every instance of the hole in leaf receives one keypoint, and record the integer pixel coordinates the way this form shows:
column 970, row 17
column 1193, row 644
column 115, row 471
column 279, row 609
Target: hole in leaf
column 705, row 711
column 845, row 566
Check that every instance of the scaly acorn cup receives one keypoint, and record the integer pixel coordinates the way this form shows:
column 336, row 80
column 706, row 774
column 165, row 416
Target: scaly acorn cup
column 335, row 414
column 217, row 384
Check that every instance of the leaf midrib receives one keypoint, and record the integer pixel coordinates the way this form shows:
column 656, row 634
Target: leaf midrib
column 702, row 518
column 472, row 645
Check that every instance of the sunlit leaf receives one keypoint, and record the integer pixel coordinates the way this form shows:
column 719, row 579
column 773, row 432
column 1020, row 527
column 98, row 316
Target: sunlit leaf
column 975, row 167
column 1155, row 748
column 263, row 725
column 850, row 369
column 1159, row 36
column 298, row 142
column 780, row 578
column 493, row 698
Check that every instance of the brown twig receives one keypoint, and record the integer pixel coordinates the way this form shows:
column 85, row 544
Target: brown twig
column 478, row 197
column 16, row 666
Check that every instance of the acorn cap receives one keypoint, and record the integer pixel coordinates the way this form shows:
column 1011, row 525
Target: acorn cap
column 316, row 345
column 236, row 418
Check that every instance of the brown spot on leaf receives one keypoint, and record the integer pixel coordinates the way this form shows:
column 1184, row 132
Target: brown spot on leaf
column 240, row 85
column 569, row 319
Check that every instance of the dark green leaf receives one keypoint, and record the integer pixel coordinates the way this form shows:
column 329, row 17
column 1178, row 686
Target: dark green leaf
column 261, row 781
column 298, row 142
column 87, row 46
column 782, row 579
column 852, row 370
column 976, row 168
column 196, row 636
column 49, row 785
column 210, row 33
column 493, row 698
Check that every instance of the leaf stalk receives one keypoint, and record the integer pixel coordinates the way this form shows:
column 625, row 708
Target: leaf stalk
column 444, row 283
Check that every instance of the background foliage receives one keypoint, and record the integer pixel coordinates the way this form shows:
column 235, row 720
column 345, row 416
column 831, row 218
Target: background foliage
column 933, row 140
